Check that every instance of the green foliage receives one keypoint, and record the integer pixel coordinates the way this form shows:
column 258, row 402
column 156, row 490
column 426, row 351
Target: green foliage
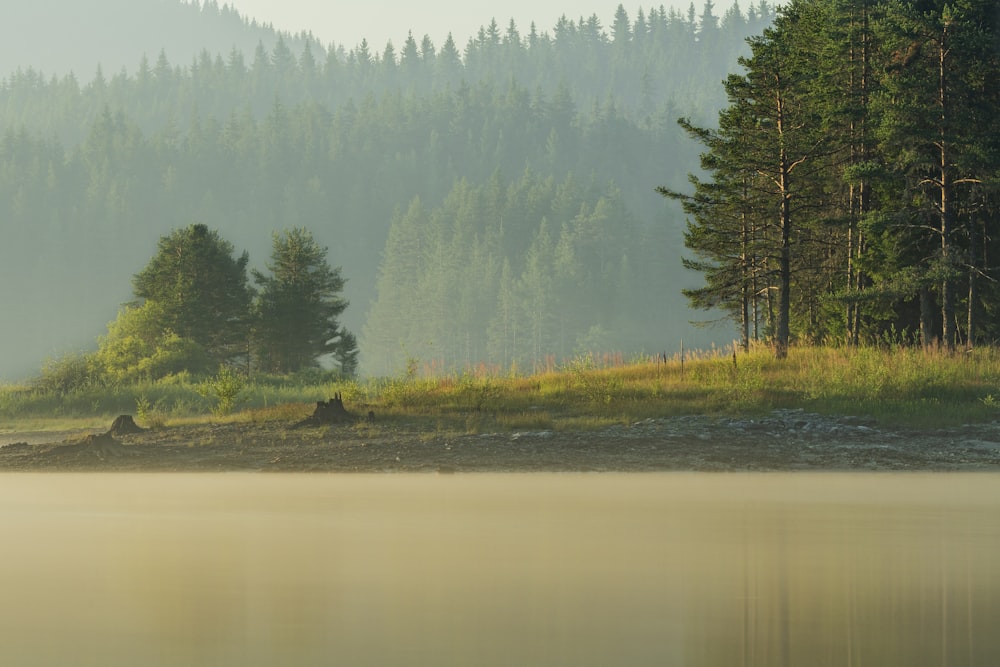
column 405, row 390
column 593, row 384
column 897, row 386
column 227, row 389
column 331, row 140
column 478, row 393
column 199, row 291
column 511, row 272
column 150, row 414
column 298, row 306
column 853, row 177
column 137, row 347
column 67, row 374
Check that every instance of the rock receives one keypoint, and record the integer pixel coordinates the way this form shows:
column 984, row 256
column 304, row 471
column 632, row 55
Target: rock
column 985, row 445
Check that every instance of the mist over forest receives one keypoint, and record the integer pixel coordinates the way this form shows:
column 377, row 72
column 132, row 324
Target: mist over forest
column 489, row 202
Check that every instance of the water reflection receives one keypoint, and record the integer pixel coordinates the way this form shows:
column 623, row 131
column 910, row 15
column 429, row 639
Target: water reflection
column 672, row 569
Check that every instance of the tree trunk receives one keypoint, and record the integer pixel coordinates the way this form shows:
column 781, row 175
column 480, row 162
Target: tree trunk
column 783, row 328
column 747, row 282
column 927, row 336
column 947, row 207
column 972, row 320
column 859, row 194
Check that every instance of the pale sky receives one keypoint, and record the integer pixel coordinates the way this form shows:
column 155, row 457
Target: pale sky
column 345, row 23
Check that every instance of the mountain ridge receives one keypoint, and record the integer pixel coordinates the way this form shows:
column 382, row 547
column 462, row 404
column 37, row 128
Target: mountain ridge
column 118, row 33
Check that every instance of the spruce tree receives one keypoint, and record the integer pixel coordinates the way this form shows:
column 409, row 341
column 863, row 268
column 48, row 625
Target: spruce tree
column 726, row 227
column 200, row 289
column 770, row 141
column 940, row 58
column 298, row 306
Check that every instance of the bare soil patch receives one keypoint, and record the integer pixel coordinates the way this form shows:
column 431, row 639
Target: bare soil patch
column 783, row 440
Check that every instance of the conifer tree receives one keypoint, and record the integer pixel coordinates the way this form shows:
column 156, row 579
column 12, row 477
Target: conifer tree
column 727, row 226
column 200, row 290
column 940, row 56
column 297, row 310
column 769, row 139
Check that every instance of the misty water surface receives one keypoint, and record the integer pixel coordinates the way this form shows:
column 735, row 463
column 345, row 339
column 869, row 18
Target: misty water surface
column 665, row 569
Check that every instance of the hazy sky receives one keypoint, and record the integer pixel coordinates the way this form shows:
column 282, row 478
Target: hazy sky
column 380, row 20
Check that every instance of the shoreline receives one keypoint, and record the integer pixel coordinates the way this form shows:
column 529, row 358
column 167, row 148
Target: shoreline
column 784, row 440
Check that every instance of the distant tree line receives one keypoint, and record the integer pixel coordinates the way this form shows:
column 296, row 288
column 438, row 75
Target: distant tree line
column 63, row 36
column 513, row 273
column 345, row 145
column 852, row 186
column 660, row 58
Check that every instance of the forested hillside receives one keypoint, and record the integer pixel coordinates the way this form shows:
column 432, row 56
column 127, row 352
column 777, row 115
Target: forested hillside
column 57, row 37
column 492, row 203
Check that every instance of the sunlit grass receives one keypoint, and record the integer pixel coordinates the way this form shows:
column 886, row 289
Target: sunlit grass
column 898, row 386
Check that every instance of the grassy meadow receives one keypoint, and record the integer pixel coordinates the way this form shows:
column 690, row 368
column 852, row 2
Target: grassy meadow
column 898, row 386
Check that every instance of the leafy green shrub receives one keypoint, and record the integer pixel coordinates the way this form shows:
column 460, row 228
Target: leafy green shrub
column 66, row 374
column 149, row 413
column 227, row 388
column 136, row 349
column 595, row 385
column 477, row 393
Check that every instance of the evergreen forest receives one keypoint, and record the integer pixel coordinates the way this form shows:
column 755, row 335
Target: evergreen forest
column 492, row 202
column 850, row 190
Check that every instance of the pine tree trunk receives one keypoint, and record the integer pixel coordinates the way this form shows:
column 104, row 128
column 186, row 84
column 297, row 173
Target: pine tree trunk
column 947, row 209
column 926, row 317
column 783, row 328
column 747, row 287
column 972, row 322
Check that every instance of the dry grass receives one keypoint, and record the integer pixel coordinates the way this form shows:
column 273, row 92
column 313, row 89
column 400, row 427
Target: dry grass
column 894, row 386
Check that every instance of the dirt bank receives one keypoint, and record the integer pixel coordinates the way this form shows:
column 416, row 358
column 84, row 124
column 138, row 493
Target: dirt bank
column 784, row 440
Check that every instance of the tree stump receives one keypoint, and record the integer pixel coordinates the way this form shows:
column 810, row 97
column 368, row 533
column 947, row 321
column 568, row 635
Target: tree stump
column 124, row 425
column 103, row 446
column 328, row 413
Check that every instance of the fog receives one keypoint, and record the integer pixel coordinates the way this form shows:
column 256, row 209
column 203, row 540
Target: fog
column 385, row 21
column 711, row 570
column 63, row 36
column 502, row 154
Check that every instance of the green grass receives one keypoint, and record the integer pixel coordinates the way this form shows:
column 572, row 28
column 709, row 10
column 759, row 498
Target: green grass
column 896, row 386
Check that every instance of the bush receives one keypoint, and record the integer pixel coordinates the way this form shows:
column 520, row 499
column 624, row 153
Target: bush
column 67, row 374
column 227, row 389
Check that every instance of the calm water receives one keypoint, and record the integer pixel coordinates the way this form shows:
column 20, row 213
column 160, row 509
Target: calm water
column 666, row 569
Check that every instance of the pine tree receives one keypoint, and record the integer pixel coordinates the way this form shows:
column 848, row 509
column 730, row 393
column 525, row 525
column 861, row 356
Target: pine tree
column 940, row 58
column 200, row 289
column 769, row 140
column 298, row 306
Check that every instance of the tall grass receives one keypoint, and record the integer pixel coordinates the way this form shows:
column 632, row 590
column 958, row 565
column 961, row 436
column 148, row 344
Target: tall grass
column 893, row 386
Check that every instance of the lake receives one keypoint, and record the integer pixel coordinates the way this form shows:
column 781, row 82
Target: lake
column 714, row 570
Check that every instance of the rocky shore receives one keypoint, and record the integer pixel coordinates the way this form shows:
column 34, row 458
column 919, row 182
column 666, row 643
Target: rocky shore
column 782, row 440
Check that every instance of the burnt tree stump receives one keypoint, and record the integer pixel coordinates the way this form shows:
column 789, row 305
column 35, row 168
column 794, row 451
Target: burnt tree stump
column 124, row 425
column 328, row 413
